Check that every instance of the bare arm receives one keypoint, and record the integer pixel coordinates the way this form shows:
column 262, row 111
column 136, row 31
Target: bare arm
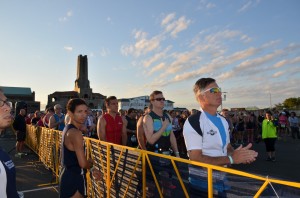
column 140, row 133
column 149, row 131
column 74, row 141
column 52, row 122
column 101, row 131
column 174, row 144
column 240, row 155
column 124, row 132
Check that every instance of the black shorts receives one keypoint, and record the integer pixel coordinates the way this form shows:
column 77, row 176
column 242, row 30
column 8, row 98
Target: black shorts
column 21, row 136
column 270, row 144
column 70, row 182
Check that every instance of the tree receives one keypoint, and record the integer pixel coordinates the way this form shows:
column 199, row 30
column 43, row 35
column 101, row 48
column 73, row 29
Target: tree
column 291, row 102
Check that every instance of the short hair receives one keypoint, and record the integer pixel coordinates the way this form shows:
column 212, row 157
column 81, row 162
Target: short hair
column 154, row 93
column 51, row 109
column 225, row 110
column 110, row 98
column 73, row 103
column 56, row 106
column 269, row 112
column 202, row 83
column 130, row 110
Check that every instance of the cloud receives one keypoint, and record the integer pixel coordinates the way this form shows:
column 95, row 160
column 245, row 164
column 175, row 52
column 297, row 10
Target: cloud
column 142, row 46
column 175, row 26
column 158, row 56
column 104, row 52
column 68, row 48
column 65, row 18
column 246, row 39
column 287, row 62
column 278, row 74
column 167, row 19
column 248, row 5
column 245, row 6
column 206, row 5
column 157, row 68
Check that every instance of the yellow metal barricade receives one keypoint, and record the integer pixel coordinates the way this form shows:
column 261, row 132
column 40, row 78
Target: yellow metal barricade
column 126, row 171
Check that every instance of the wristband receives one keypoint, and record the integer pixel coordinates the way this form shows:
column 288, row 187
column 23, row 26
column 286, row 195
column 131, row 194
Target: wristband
column 230, row 159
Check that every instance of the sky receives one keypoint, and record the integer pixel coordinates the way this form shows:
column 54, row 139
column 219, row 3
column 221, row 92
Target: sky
column 251, row 47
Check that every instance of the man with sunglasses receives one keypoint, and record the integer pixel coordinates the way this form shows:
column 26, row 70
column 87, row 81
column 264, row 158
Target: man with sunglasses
column 207, row 139
column 158, row 127
column 7, row 167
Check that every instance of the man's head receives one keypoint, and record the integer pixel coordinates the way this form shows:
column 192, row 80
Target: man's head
column 77, row 110
column 5, row 109
column 208, row 93
column 111, row 104
column 224, row 112
column 57, row 109
column 268, row 115
column 22, row 112
column 131, row 112
column 157, row 99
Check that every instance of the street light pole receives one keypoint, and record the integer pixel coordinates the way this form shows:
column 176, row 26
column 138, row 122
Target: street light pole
column 223, row 99
column 270, row 100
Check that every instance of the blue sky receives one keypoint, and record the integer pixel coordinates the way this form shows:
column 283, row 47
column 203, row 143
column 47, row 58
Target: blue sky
column 251, row 47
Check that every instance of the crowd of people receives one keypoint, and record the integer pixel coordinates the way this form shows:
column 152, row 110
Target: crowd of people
column 205, row 135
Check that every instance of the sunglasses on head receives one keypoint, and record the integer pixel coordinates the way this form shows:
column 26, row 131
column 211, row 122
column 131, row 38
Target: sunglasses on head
column 213, row 90
column 159, row 99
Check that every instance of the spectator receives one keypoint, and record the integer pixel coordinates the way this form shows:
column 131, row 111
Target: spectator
column 269, row 135
column 130, row 122
column 7, row 167
column 72, row 180
column 294, row 124
column 20, row 128
column 158, row 127
column 57, row 120
column 207, row 139
column 110, row 126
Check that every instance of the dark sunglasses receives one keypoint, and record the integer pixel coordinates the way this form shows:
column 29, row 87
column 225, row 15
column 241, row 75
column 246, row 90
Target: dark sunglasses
column 159, row 99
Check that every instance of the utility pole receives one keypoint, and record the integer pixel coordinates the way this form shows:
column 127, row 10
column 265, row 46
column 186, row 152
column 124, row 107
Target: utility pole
column 270, row 100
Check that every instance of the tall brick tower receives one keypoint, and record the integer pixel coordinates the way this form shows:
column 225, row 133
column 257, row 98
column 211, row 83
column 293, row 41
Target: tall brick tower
column 82, row 83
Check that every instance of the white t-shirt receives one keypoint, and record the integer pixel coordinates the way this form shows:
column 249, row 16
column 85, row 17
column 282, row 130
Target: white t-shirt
column 3, row 182
column 210, row 142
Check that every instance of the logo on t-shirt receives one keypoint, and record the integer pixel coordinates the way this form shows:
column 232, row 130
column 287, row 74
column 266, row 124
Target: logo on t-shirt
column 212, row 132
column 9, row 164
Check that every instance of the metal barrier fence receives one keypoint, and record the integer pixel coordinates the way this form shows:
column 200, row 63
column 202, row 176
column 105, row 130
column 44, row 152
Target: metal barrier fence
column 130, row 172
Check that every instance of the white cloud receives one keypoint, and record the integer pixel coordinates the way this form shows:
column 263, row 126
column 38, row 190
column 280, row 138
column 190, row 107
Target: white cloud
column 203, row 4
column 69, row 14
column 104, row 52
column 173, row 26
column 156, row 57
column 278, row 74
column 287, row 62
column 167, row 19
column 68, row 48
column 156, row 68
column 245, row 6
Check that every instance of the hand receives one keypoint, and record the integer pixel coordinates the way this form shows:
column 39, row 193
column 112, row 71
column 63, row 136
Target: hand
column 243, row 155
column 96, row 174
column 165, row 123
column 91, row 162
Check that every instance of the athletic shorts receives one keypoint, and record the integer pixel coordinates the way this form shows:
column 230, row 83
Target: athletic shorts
column 70, row 182
column 21, row 136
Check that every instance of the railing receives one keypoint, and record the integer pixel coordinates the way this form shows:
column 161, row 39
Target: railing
column 130, row 172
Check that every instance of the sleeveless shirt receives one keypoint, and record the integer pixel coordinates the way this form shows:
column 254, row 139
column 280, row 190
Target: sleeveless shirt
column 113, row 128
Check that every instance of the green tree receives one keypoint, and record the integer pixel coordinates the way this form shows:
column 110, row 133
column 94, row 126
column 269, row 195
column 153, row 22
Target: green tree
column 291, row 102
